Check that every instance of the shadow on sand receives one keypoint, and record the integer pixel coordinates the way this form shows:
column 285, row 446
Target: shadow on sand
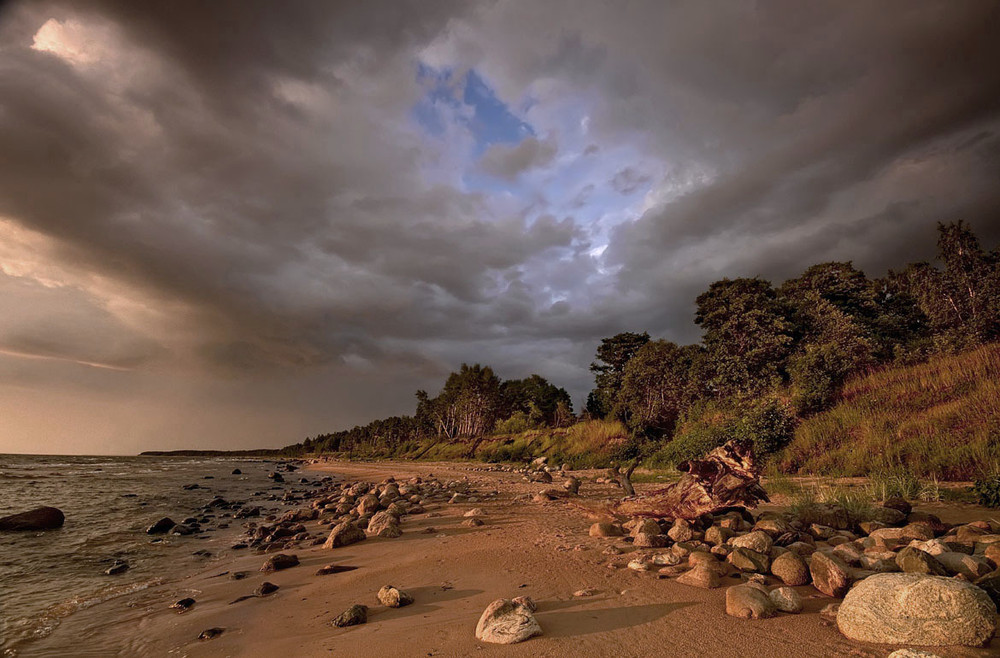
column 585, row 622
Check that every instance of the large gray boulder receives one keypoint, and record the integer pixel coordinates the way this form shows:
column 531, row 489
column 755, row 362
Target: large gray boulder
column 917, row 609
column 507, row 622
column 40, row 518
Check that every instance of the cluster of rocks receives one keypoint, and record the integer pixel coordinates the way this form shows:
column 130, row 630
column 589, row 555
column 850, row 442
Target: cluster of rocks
column 907, row 577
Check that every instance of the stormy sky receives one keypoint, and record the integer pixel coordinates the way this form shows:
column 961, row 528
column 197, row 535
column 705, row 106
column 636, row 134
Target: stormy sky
column 236, row 224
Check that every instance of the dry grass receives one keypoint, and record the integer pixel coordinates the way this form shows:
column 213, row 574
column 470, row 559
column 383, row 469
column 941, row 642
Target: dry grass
column 939, row 419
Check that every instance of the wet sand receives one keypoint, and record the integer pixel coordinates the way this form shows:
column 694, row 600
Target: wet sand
column 537, row 549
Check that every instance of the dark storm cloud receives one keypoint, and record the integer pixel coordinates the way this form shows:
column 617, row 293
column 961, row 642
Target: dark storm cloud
column 240, row 187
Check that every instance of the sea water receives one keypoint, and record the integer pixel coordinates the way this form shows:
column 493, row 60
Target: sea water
column 108, row 503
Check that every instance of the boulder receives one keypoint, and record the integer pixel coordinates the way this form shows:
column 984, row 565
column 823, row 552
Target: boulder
column 748, row 602
column 970, row 566
column 384, row 524
column 343, row 534
column 507, row 622
column 930, row 520
column 265, row 589
column 279, row 562
column 888, row 516
column 700, row 576
column 899, row 504
column 356, row 614
column 393, row 597
column 40, row 518
column 717, row 535
column 912, row 653
column 829, row 574
column 163, row 526
column 990, row 583
column 791, row 569
column 605, row 529
column 681, row 531
column 645, row 540
column 757, row 540
column 917, row 609
column 786, row 599
column 746, row 560
column 646, row 526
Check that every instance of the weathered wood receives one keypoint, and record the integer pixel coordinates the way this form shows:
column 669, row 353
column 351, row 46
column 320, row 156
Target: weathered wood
column 624, row 480
column 726, row 477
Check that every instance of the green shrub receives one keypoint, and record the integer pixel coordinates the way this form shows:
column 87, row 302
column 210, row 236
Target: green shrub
column 987, row 491
column 517, row 423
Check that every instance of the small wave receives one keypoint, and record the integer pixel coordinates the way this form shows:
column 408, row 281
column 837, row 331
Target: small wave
column 21, row 476
column 38, row 627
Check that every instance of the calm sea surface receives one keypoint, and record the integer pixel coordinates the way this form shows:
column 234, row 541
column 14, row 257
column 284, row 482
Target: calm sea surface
column 109, row 502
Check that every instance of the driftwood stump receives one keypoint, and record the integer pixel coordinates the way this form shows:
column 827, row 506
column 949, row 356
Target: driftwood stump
column 729, row 476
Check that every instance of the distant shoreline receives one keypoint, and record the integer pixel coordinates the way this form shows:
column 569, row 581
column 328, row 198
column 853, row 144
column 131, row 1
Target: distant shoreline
column 263, row 452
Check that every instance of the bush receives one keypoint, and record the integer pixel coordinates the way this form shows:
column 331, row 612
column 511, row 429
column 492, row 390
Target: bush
column 987, row 491
column 517, row 423
column 769, row 424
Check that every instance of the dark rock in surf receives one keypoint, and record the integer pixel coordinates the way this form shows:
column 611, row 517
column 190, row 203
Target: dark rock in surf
column 162, row 526
column 120, row 566
column 40, row 518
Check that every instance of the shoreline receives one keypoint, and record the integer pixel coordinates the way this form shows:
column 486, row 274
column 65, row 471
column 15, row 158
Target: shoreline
column 537, row 549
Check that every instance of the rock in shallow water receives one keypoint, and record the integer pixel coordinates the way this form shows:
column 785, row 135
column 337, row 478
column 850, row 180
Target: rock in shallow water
column 120, row 566
column 160, row 527
column 906, row 608
column 507, row 622
column 40, row 518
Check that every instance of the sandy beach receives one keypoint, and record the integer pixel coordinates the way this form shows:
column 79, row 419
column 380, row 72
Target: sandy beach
column 541, row 550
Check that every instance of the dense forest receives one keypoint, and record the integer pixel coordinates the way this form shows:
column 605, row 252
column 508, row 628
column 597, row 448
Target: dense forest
column 770, row 358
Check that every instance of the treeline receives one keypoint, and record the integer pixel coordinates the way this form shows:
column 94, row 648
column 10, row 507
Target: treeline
column 474, row 402
column 769, row 356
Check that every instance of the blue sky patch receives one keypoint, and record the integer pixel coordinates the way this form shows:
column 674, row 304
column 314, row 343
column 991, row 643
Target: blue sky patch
column 488, row 119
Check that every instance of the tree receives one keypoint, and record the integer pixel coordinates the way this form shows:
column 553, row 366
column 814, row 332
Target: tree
column 613, row 354
column 961, row 301
column 655, row 387
column 468, row 405
column 536, row 398
column 747, row 336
